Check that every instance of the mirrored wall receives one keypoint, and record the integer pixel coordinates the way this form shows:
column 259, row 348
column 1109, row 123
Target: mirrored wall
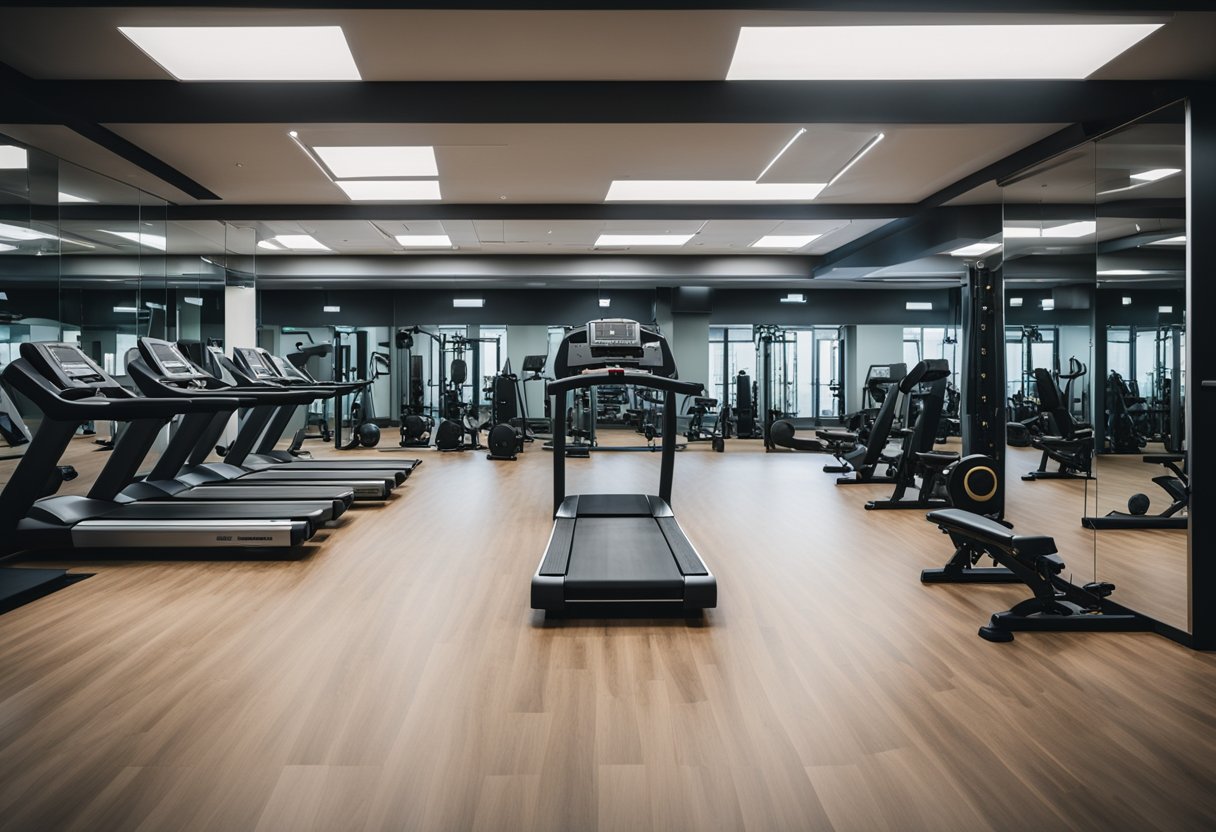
column 1095, row 285
column 90, row 260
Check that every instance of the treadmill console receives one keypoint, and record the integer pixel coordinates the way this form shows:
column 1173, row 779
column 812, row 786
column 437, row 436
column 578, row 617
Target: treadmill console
column 614, row 343
column 68, row 367
column 168, row 360
column 250, row 360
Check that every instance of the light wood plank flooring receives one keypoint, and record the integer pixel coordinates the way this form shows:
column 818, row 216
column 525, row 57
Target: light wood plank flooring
column 395, row 679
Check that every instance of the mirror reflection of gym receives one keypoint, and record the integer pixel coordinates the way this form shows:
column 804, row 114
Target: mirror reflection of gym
column 1049, row 230
column 1140, row 515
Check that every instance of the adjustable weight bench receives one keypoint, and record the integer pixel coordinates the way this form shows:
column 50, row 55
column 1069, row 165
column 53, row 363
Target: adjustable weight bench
column 1056, row 605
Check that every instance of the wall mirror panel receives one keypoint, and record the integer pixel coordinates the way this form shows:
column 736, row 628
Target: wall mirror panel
column 1049, row 237
column 1140, row 512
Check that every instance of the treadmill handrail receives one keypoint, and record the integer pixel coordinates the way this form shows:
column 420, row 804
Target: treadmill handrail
column 637, row 379
column 56, row 405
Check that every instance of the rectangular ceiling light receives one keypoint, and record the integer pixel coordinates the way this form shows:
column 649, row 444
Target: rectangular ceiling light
column 141, row 238
column 6, row 247
column 605, row 303
column 1123, row 272
column 710, row 190
column 193, row 301
column 391, row 190
column 794, row 297
column 1012, row 232
column 126, row 309
column 13, row 157
column 368, row 162
column 1172, row 241
column 785, row 240
column 300, row 242
column 1127, row 301
column 65, row 198
column 468, row 303
column 926, row 53
column 1072, row 229
column 1015, row 302
column 975, row 250
column 643, row 239
column 269, row 245
column 3, row 295
column 1155, row 174
column 916, row 306
column 331, row 308
column 1164, row 310
column 1048, row 304
column 247, row 53
column 17, row 232
column 424, row 240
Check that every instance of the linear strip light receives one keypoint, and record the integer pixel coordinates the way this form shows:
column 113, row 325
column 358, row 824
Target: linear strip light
column 1172, row 241
column 468, row 303
column 927, row 53
column 866, row 148
column 794, row 297
column 781, row 153
column 918, row 306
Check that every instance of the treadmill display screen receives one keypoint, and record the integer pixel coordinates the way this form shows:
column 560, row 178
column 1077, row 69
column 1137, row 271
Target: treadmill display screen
column 74, row 363
column 171, row 361
column 615, row 334
column 259, row 368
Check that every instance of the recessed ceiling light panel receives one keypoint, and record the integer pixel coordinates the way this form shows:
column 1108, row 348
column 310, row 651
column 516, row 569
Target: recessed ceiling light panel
column 424, row 240
column 247, row 53
column 367, row 162
column 785, row 240
column 391, row 190
column 1155, row 174
column 17, row 232
column 65, row 198
column 300, row 242
column 972, row 52
column 13, row 157
column 141, row 238
column 1172, row 241
column 975, row 250
column 710, row 190
column 643, row 239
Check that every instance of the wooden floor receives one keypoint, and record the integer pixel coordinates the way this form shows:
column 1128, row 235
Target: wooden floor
column 395, row 679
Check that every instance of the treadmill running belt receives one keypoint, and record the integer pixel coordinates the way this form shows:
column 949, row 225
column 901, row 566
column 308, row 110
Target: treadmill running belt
column 621, row 557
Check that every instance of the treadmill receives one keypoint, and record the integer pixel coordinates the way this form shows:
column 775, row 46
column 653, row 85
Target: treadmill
column 69, row 388
column 374, row 485
column 262, row 367
column 159, row 370
column 613, row 554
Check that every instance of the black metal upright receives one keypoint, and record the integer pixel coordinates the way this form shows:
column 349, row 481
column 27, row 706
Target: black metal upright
column 559, row 450
column 1201, row 364
column 983, row 371
column 668, row 464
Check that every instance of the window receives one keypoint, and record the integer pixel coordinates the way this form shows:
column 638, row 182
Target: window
column 1028, row 347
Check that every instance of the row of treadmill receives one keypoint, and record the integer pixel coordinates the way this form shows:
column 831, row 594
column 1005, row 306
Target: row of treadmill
column 254, row 498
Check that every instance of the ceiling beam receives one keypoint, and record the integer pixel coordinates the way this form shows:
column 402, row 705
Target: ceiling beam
column 958, row 6
column 523, row 211
column 18, row 89
column 589, row 102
